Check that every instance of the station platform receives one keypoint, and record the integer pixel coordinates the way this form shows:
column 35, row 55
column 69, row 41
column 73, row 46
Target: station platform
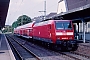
column 5, row 50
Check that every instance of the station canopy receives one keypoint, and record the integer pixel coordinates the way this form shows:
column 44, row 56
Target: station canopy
column 76, row 15
column 4, row 4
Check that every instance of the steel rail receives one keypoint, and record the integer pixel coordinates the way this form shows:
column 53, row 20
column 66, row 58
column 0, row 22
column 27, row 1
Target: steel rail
column 80, row 54
column 27, row 49
column 20, row 57
column 69, row 56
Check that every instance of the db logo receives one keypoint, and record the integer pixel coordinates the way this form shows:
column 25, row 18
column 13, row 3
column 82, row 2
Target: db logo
column 64, row 33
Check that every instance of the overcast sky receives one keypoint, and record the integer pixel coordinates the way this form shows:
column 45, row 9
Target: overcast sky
column 29, row 8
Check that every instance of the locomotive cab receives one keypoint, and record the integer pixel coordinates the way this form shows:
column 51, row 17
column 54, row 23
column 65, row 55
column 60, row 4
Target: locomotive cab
column 65, row 35
column 64, row 30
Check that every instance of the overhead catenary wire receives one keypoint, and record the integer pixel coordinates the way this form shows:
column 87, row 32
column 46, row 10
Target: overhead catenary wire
column 18, row 7
column 13, row 9
column 33, row 7
column 21, row 5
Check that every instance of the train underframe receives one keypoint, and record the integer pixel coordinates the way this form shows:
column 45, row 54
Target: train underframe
column 63, row 45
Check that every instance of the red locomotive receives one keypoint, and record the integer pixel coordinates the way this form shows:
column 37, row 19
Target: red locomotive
column 57, row 33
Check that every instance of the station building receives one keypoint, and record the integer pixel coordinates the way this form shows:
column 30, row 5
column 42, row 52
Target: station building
column 67, row 5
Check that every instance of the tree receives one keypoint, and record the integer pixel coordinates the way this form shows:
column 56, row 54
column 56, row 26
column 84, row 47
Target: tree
column 7, row 28
column 15, row 24
column 23, row 20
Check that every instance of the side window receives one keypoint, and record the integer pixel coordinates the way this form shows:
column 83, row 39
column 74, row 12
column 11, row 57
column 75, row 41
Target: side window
column 29, row 30
column 50, row 27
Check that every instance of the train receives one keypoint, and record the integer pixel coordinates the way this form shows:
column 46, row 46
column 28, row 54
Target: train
column 55, row 33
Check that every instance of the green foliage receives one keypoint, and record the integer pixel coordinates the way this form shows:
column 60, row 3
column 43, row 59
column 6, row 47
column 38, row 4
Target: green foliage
column 14, row 25
column 21, row 21
column 7, row 29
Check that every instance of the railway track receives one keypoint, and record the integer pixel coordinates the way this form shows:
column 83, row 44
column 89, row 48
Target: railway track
column 85, row 45
column 64, row 53
column 75, row 56
column 80, row 54
column 83, row 50
column 21, row 50
column 67, row 55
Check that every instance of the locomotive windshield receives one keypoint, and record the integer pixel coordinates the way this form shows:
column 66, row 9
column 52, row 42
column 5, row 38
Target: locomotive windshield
column 63, row 25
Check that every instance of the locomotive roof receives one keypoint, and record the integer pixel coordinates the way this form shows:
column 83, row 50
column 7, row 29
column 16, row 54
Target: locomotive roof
column 48, row 22
column 39, row 24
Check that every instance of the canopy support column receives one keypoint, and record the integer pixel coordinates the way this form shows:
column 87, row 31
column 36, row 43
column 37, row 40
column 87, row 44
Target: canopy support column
column 78, row 27
column 83, row 30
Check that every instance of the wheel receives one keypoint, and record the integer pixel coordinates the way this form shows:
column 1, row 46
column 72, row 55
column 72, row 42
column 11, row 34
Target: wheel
column 75, row 48
column 57, row 47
